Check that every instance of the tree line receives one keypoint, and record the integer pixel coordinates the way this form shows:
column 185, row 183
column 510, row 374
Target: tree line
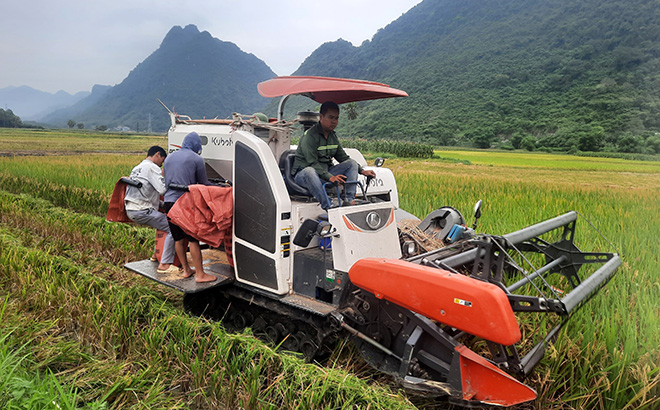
column 10, row 120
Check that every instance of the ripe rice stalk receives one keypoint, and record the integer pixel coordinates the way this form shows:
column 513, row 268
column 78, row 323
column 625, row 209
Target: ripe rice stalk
column 120, row 329
column 614, row 333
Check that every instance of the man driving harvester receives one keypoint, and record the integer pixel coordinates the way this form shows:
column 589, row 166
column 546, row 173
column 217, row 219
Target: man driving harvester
column 313, row 164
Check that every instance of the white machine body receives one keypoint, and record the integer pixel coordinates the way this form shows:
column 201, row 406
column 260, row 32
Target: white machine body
column 267, row 217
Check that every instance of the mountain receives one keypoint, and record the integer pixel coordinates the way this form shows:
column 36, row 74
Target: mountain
column 563, row 74
column 31, row 104
column 61, row 116
column 197, row 74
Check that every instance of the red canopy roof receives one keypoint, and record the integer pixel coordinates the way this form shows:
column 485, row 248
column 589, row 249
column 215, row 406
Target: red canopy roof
column 322, row 89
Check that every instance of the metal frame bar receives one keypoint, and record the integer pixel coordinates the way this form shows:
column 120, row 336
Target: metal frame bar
column 562, row 257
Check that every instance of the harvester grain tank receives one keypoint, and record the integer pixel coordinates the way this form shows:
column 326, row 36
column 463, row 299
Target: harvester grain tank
column 307, row 278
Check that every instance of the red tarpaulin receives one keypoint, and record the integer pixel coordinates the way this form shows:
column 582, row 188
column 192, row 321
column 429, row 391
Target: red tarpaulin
column 116, row 210
column 205, row 213
column 322, row 89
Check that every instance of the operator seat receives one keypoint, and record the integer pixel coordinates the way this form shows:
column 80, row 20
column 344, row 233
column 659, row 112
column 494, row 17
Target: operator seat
column 286, row 166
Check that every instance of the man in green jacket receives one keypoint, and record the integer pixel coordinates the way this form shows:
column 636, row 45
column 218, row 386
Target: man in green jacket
column 313, row 164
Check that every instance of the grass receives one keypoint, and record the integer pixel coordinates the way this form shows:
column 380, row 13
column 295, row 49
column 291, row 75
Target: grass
column 118, row 338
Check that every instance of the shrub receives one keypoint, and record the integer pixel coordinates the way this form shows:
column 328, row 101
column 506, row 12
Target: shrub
column 528, row 143
column 399, row 148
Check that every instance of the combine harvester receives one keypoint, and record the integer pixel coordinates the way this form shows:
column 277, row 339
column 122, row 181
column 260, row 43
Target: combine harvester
column 307, row 278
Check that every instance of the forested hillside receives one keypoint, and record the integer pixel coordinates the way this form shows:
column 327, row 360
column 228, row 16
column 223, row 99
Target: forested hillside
column 193, row 72
column 553, row 74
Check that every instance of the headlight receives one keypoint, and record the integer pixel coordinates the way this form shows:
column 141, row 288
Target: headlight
column 373, row 220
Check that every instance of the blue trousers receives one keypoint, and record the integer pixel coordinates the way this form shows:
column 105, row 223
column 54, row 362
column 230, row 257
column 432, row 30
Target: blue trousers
column 310, row 179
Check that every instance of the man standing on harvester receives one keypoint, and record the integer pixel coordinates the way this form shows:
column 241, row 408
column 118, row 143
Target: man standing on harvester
column 142, row 203
column 313, row 164
column 182, row 168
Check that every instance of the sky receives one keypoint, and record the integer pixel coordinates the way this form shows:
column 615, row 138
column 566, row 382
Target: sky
column 72, row 45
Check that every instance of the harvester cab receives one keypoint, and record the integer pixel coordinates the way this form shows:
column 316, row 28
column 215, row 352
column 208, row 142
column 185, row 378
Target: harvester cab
column 413, row 295
column 254, row 155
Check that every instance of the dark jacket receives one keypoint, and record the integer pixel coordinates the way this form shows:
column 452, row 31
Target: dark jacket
column 185, row 167
column 317, row 152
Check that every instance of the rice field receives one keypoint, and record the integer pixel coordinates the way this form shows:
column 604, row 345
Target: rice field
column 20, row 141
column 119, row 341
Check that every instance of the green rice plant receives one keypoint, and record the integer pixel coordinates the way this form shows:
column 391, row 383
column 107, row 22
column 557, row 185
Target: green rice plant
column 81, row 183
column 92, row 171
column 20, row 389
column 115, row 342
column 128, row 341
column 80, row 199
column 551, row 161
column 615, row 331
column 88, row 233
column 397, row 148
column 403, row 149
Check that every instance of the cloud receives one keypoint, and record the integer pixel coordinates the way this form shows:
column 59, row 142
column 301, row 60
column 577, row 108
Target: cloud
column 74, row 44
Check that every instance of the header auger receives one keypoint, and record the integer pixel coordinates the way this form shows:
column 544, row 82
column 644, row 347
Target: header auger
column 442, row 320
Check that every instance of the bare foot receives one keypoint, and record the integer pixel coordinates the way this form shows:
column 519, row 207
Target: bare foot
column 188, row 273
column 204, row 277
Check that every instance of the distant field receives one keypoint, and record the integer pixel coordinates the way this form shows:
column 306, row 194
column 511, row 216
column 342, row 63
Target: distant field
column 549, row 161
column 48, row 142
column 122, row 339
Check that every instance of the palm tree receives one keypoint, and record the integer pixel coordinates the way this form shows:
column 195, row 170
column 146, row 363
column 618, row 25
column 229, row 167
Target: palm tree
column 351, row 110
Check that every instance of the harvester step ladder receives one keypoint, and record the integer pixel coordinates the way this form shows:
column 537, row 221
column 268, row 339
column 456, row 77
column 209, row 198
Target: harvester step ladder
column 213, row 265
